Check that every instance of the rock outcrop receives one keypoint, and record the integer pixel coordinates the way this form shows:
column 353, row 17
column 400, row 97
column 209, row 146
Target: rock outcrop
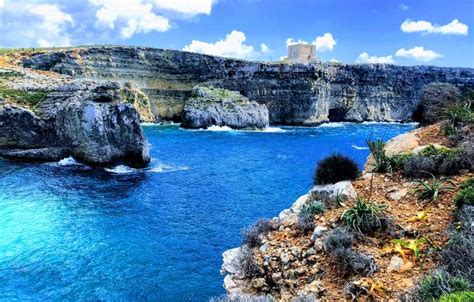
column 294, row 94
column 87, row 120
column 211, row 106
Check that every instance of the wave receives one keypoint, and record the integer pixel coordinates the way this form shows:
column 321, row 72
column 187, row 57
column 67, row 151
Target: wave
column 388, row 123
column 219, row 128
column 332, row 125
column 68, row 161
column 359, row 148
column 161, row 168
column 273, row 130
column 121, row 169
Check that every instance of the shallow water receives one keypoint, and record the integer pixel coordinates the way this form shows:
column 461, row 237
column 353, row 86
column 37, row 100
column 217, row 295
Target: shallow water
column 68, row 232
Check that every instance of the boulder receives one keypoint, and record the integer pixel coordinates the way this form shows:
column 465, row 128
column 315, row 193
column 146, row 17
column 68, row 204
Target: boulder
column 328, row 194
column 102, row 134
column 405, row 142
column 210, row 106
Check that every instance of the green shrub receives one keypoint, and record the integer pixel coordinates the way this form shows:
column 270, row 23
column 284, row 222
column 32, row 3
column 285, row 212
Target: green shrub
column 253, row 235
column 313, row 208
column 436, row 161
column 466, row 193
column 337, row 239
column 433, row 287
column 382, row 161
column 305, row 221
column 338, row 244
column 31, row 98
column 365, row 217
column 457, row 297
column 430, row 190
column 354, row 262
column 456, row 117
column 335, row 168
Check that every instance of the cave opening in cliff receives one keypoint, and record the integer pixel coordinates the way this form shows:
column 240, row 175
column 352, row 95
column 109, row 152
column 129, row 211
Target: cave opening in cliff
column 337, row 114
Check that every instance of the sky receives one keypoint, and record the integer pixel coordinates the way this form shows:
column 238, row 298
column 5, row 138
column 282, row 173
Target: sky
column 403, row 32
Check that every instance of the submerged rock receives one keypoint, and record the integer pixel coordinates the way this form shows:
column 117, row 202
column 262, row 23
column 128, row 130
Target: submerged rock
column 219, row 107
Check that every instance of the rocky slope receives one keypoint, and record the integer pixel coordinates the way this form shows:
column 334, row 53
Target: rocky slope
column 285, row 262
column 293, row 93
column 210, row 106
column 289, row 263
column 50, row 117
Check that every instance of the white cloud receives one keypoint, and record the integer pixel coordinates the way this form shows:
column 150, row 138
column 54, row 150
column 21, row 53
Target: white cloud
column 264, row 48
column 453, row 28
column 186, row 7
column 2, row 3
column 325, row 42
column 334, row 61
column 366, row 58
column 403, row 6
column 232, row 46
column 290, row 41
column 133, row 16
column 52, row 30
column 418, row 53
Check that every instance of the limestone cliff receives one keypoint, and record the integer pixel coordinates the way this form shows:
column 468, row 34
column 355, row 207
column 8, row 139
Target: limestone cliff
column 210, row 106
column 294, row 94
column 49, row 117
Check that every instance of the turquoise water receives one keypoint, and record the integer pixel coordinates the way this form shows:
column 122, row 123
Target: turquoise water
column 68, row 232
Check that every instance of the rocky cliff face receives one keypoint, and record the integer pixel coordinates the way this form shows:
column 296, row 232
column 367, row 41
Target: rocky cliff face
column 210, row 106
column 49, row 118
column 294, row 93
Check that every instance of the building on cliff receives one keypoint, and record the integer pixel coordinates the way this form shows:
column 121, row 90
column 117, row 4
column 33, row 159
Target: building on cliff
column 301, row 53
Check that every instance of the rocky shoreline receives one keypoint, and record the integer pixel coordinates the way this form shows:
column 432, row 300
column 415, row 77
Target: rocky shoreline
column 287, row 263
column 47, row 117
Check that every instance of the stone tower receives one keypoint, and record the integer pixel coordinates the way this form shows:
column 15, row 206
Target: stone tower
column 301, row 53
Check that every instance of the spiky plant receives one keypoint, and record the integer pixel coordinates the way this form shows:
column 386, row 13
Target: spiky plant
column 382, row 161
column 365, row 216
column 430, row 190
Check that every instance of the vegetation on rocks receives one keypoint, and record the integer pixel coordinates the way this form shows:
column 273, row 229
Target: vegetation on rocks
column 418, row 221
column 253, row 235
column 29, row 98
column 430, row 190
column 457, row 297
column 365, row 216
column 465, row 196
column 305, row 220
column 335, row 168
column 431, row 288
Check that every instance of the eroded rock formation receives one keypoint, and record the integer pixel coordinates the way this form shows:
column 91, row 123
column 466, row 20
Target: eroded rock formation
column 210, row 106
column 294, row 93
column 87, row 120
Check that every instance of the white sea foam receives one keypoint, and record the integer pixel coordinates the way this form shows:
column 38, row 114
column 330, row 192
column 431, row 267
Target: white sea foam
column 68, row 161
column 219, row 128
column 359, row 148
column 273, row 130
column 121, row 169
column 388, row 123
column 162, row 168
column 332, row 125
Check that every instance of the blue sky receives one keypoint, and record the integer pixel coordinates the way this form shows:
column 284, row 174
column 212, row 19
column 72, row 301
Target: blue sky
column 408, row 32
